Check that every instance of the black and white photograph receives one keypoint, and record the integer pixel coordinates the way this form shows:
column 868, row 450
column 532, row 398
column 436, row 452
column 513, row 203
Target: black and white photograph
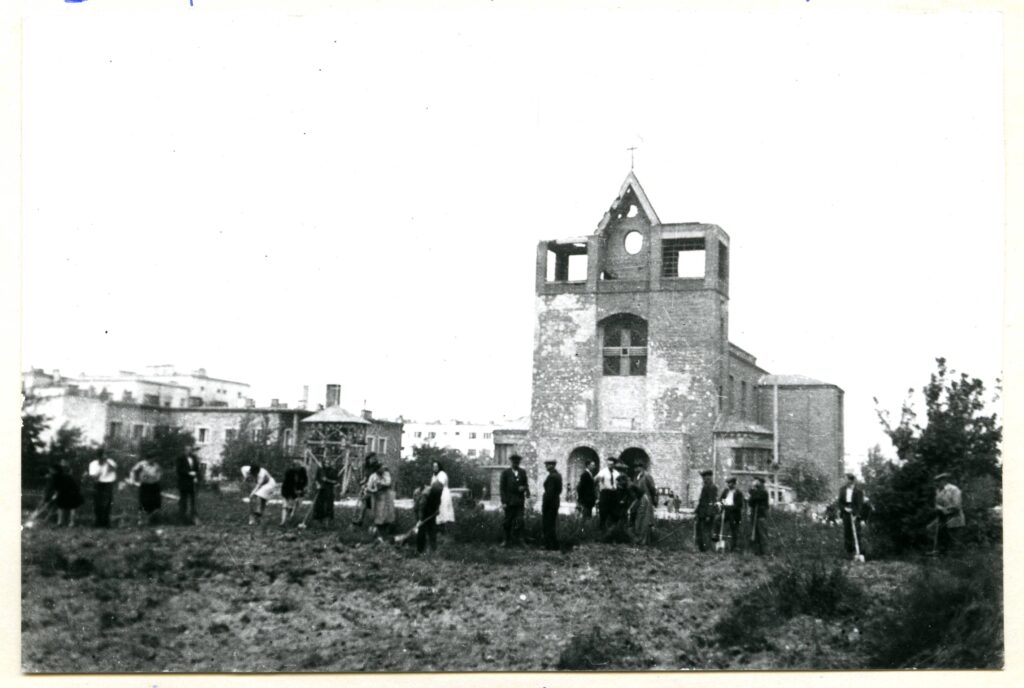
column 487, row 337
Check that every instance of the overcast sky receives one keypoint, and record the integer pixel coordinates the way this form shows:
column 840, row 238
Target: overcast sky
column 356, row 198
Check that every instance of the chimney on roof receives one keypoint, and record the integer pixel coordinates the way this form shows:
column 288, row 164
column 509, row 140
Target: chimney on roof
column 250, row 403
column 201, row 372
column 305, row 397
column 367, row 414
column 274, row 403
column 56, row 375
column 333, row 395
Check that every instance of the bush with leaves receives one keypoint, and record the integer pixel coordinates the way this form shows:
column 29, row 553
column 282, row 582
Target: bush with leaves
column 808, row 480
column 461, row 472
column 255, row 444
column 33, row 459
column 949, row 616
column 958, row 437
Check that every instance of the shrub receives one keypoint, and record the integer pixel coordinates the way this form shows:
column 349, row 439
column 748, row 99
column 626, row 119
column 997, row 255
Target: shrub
column 595, row 650
column 795, row 587
column 949, row 617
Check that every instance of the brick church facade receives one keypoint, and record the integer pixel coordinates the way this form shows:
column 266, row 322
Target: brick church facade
column 632, row 358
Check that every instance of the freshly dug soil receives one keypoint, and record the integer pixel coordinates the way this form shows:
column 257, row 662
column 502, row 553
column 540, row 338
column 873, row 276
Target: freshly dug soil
column 225, row 597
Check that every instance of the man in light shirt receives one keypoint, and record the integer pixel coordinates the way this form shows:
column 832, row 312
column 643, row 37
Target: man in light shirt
column 732, row 503
column 605, row 480
column 103, row 472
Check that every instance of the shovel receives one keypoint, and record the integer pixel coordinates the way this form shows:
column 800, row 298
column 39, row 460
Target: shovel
column 31, row 522
column 399, row 539
column 720, row 542
column 857, row 556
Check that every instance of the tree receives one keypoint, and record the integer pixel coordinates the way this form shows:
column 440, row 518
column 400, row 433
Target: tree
column 808, row 480
column 167, row 444
column 461, row 472
column 959, row 437
column 33, row 470
column 255, row 444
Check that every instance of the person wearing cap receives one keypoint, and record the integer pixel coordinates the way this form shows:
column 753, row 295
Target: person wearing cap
column 706, row 507
column 586, row 490
column 606, row 482
column 949, row 515
column 549, row 504
column 732, row 503
column 758, row 501
column 850, row 503
column 103, row 471
column 515, row 489
column 187, row 468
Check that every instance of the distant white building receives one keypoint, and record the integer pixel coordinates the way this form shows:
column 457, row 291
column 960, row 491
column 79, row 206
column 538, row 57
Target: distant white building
column 474, row 440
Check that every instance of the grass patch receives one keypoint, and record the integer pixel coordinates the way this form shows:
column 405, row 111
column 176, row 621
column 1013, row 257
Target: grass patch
column 597, row 650
column 795, row 587
column 950, row 616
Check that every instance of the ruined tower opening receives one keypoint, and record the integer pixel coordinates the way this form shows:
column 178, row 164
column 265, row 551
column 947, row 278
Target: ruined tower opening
column 683, row 257
column 566, row 262
column 575, row 466
column 635, row 458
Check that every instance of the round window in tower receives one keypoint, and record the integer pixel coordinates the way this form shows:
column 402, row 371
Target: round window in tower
column 634, row 242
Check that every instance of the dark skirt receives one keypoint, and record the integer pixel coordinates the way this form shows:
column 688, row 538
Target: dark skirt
column 69, row 496
column 149, row 497
column 323, row 507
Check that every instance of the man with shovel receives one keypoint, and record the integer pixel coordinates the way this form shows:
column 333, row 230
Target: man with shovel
column 850, row 502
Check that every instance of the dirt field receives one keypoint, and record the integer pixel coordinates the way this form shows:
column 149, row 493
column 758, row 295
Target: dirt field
column 226, row 597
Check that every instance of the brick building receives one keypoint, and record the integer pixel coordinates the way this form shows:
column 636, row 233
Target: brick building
column 632, row 358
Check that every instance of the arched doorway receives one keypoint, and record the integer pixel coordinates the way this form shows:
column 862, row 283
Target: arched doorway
column 577, row 462
column 635, row 458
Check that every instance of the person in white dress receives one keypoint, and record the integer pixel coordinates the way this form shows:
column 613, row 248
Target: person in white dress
column 264, row 489
column 447, row 512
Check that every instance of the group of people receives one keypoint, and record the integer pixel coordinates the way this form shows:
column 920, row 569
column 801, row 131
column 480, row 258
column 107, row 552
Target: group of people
column 625, row 496
column 432, row 502
column 63, row 489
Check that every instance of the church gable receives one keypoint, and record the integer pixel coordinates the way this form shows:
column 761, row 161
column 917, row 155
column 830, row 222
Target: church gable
column 631, row 204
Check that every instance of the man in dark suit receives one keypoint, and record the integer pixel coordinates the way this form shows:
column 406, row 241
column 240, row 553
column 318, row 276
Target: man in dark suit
column 586, row 490
column 188, row 479
column 706, row 508
column 851, row 502
column 732, row 503
column 515, row 489
column 758, row 502
column 549, row 505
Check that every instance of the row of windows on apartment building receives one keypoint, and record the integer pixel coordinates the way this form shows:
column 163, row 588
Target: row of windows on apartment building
column 205, row 435
column 433, row 435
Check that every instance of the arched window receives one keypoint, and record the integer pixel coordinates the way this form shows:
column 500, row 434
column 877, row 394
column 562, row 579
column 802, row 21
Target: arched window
column 625, row 345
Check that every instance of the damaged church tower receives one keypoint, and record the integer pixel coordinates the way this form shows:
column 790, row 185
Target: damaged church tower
column 632, row 359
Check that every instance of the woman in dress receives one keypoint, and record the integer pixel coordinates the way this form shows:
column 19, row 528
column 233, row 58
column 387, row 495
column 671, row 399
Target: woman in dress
column 379, row 486
column 63, row 490
column 326, row 479
column 447, row 512
column 147, row 474
column 263, row 489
